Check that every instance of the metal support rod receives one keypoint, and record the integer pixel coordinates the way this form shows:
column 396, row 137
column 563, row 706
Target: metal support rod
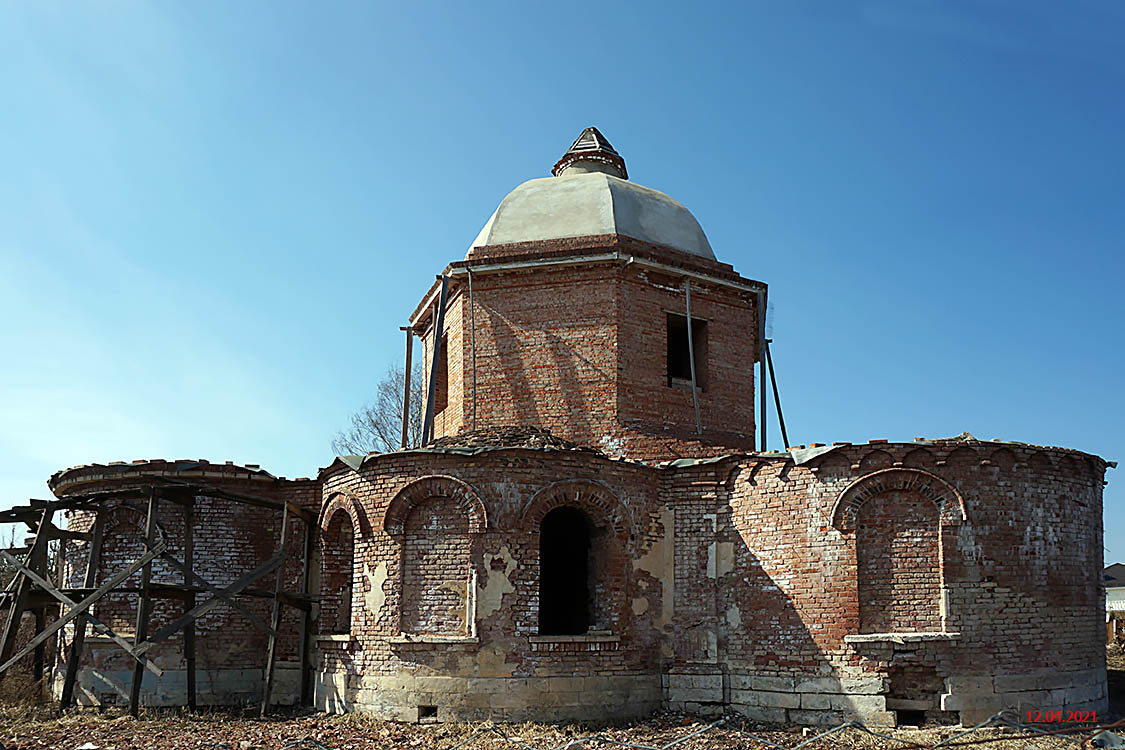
column 271, row 650
column 473, row 342
column 691, row 357
column 776, row 396
column 436, row 332
column 78, row 641
column 406, row 386
column 762, row 395
column 144, row 604
column 189, row 602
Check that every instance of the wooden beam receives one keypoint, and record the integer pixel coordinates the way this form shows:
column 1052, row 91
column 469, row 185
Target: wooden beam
column 80, row 609
column 40, row 650
column 93, row 560
column 305, row 635
column 406, row 388
column 36, row 559
column 189, row 601
column 200, row 609
column 188, row 592
column 144, row 605
column 271, row 649
column 239, row 497
column 54, row 532
column 437, row 332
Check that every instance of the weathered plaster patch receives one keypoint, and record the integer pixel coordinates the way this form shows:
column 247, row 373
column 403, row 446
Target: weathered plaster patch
column 640, row 606
column 711, row 563
column 491, row 595
column 658, row 562
column 491, row 662
column 375, row 597
column 734, row 617
column 725, row 558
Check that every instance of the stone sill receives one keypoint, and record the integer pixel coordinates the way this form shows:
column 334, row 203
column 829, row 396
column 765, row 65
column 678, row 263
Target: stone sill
column 334, row 638
column 900, row 637
column 429, row 641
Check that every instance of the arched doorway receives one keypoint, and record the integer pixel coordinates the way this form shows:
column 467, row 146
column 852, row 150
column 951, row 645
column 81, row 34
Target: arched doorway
column 564, row 572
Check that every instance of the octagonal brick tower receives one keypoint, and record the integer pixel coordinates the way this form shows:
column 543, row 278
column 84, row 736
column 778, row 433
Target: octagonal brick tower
column 576, row 319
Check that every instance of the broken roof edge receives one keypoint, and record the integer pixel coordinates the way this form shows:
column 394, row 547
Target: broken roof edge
column 356, row 463
column 799, row 455
column 98, row 472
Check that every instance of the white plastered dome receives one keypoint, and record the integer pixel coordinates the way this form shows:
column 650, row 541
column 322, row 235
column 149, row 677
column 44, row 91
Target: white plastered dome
column 580, row 205
column 588, row 196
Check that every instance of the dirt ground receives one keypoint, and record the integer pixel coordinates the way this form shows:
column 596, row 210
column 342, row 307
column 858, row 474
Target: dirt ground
column 25, row 725
column 215, row 731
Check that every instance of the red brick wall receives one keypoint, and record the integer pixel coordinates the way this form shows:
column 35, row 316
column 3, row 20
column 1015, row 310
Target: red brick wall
column 763, row 580
column 581, row 350
column 1021, row 573
column 503, row 558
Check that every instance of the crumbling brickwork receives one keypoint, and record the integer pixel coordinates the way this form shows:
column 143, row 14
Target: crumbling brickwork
column 740, row 583
column 637, row 559
column 229, row 541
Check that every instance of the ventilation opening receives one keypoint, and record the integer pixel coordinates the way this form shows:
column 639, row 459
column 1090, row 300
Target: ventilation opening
column 910, row 718
column 679, row 359
column 441, row 379
column 564, row 572
column 913, row 694
column 427, row 712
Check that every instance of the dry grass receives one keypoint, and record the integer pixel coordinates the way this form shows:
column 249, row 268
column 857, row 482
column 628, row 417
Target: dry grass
column 1115, row 657
column 177, row 730
column 28, row 722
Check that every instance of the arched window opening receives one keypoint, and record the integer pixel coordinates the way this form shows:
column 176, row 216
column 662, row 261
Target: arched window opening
column 435, row 570
column 566, row 569
column 337, row 571
column 899, row 564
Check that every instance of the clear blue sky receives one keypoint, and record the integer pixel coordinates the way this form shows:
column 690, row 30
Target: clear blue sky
column 214, row 216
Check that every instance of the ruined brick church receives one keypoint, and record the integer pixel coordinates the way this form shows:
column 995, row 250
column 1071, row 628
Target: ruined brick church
column 593, row 529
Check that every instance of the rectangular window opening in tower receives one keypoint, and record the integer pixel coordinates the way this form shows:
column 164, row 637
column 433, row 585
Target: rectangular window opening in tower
column 441, row 379
column 679, row 362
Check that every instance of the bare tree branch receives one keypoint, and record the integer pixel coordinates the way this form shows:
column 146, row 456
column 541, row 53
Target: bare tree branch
column 378, row 425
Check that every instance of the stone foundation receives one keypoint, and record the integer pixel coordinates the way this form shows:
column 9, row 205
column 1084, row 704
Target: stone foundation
column 812, row 701
column 214, row 687
column 409, row 698
column 979, row 696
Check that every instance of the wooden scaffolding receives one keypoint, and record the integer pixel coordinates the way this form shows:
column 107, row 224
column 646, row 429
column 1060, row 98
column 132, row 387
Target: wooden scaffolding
column 36, row 589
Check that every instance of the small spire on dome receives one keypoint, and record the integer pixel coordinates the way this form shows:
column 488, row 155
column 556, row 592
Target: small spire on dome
column 591, row 152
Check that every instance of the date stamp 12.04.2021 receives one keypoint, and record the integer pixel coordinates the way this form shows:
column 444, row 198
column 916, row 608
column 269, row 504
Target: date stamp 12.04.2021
column 1062, row 717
